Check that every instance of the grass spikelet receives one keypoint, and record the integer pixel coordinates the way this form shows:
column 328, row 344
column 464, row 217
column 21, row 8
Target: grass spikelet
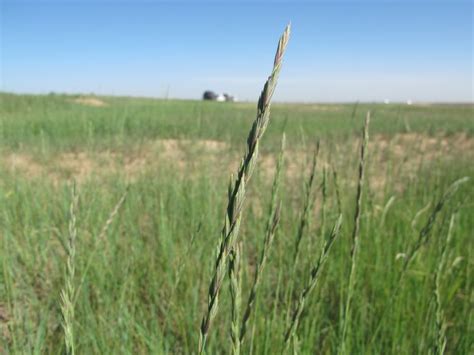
column 418, row 214
column 311, row 283
column 272, row 223
column 68, row 291
column 236, row 197
column 235, row 293
column 112, row 215
column 355, row 233
column 386, row 208
column 101, row 237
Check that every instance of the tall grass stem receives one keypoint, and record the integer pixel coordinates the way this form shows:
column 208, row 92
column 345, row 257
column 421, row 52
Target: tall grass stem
column 236, row 195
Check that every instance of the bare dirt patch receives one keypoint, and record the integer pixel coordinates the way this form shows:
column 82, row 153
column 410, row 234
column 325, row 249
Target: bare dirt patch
column 23, row 164
column 415, row 146
column 174, row 154
column 90, row 101
column 320, row 108
column 79, row 165
column 173, row 145
column 406, row 153
column 391, row 159
column 402, row 154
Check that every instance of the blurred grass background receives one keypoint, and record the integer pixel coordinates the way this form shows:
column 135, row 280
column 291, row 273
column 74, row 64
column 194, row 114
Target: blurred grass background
column 145, row 291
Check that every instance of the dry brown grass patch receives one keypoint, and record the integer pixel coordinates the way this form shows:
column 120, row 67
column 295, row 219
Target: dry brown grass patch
column 405, row 152
column 90, row 101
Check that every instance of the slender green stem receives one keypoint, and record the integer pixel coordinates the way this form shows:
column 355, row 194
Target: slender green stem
column 311, row 283
column 307, row 206
column 355, row 234
column 440, row 344
column 272, row 223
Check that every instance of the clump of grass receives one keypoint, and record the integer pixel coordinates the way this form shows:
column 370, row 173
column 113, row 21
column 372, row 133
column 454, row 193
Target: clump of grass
column 236, row 195
column 422, row 239
column 68, row 291
column 425, row 232
column 355, row 232
column 312, row 282
column 272, row 224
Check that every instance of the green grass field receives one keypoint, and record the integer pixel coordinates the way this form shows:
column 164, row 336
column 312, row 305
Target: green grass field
column 141, row 287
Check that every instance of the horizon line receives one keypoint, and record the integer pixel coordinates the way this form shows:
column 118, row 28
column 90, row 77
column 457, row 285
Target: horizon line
column 407, row 102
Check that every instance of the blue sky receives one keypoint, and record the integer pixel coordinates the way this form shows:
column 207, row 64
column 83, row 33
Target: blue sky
column 339, row 51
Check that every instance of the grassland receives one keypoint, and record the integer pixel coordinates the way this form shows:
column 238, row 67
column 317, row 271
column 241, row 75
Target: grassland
column 141, row 286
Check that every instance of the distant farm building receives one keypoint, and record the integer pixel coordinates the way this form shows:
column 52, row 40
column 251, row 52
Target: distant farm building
column 212, row 96
column 209, row 95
